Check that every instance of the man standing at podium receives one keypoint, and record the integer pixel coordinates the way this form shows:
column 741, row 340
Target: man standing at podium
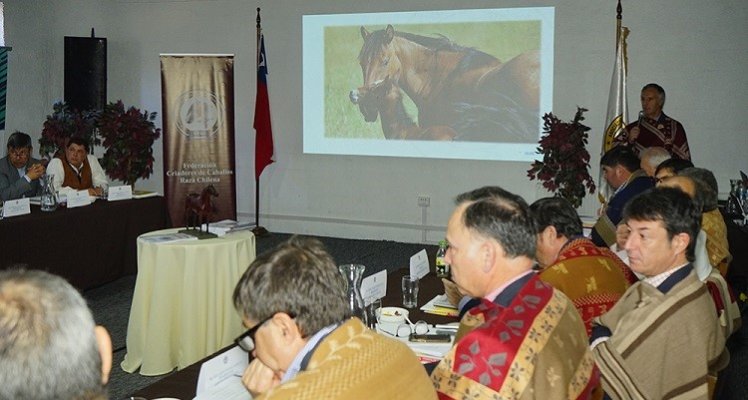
column 654, row 128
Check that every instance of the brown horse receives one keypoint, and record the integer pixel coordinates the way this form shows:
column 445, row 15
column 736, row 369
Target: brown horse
column 472, row 92
column 198, row 209
column 386, row 100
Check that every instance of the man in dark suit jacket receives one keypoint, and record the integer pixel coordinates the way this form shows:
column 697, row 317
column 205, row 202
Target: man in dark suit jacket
column 621, row 171
column 19, row 173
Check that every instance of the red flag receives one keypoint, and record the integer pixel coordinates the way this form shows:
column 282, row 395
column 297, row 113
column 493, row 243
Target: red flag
column 264, row 138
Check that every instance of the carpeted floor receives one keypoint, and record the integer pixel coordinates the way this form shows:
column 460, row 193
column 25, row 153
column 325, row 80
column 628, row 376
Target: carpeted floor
column 111, row 307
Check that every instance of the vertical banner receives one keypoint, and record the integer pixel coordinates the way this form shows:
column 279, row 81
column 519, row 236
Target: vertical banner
column 3, row 83
column 197, row 93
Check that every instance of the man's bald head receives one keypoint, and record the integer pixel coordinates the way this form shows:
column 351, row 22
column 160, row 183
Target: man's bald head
column 684, row 183
column 687, row 185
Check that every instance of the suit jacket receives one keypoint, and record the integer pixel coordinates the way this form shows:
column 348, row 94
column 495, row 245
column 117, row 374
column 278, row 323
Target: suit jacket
column 13, row 186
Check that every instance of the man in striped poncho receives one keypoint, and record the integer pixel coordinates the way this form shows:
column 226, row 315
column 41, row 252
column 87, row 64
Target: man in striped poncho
column 662, row 339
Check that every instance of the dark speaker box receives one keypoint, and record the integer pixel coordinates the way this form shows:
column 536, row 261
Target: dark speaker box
column 85, row 72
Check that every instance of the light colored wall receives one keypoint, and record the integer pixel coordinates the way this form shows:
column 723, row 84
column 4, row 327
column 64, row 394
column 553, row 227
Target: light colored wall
column 697, row 50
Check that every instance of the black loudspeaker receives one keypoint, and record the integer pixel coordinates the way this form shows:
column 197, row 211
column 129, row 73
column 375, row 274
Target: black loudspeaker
column 85, row 72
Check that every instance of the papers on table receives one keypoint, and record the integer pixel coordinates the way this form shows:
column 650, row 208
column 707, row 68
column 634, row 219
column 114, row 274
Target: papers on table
column 426, row 352
column 225, row 226
column 167, row 238
column 142, row 194
column 220, row 377
column 440, row 305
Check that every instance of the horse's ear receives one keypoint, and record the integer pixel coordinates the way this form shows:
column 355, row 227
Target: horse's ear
column 364, row 33
column 389, row 33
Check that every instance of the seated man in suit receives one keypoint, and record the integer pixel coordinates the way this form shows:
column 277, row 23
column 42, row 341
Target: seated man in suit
column 19, row 173
column 663, row 337
column 621, row 171
column 77, row 170
column 304, row 343
column 592, row 277
column 524, row 339
column 50, row 346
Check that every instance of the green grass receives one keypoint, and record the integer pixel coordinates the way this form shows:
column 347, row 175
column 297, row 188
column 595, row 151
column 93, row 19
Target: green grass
column 502, row 40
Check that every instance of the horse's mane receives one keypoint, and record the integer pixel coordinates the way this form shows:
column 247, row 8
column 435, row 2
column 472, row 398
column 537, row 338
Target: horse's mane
column 439, row 43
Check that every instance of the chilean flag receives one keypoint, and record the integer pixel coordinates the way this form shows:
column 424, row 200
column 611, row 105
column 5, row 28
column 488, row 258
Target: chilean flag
column 264, row 138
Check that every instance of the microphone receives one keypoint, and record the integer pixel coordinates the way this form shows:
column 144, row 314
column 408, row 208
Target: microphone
column 641, row 116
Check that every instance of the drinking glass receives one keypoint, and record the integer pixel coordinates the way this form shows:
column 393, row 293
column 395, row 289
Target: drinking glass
column 410, row 291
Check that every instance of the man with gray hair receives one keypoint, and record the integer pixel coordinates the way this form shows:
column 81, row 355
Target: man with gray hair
column 651, row 157
column 50, row 348
column 524, row 339
column 654, row 128
column 304, row 343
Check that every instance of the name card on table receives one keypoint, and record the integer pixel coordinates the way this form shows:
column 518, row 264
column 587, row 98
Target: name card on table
column 374, row 286
column 123, row 192
column 79, row 199
column 419, row 264
column 12, row 208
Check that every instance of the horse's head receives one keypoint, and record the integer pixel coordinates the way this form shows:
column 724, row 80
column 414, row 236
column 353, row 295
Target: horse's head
column 210, row 190
column 369, row 100
column 379, row 62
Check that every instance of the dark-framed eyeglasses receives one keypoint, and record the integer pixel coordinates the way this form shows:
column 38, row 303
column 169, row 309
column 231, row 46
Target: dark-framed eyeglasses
column 247, row 339
column 20, row 153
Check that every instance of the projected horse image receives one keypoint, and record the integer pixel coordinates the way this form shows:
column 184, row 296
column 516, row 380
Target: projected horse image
column 386, row 100
column 461, row 93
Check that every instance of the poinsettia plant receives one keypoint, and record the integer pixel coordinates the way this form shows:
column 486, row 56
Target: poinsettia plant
column 128, row 138
column 65, row 123
column 564, row 169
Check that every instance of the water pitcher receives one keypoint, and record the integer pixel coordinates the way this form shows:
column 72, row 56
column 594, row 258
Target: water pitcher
column 353, row 273
column 48, row 197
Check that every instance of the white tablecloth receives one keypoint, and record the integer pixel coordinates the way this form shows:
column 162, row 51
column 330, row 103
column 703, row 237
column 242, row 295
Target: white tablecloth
column 181, row 308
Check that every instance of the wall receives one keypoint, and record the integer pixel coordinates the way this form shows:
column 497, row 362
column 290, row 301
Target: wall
column 697, row 50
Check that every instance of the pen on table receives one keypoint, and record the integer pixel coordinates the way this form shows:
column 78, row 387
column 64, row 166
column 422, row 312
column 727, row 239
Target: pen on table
column 445, row 312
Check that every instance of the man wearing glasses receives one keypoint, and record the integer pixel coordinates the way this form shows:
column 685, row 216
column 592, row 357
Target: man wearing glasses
column 302, row 337
column 19, row 173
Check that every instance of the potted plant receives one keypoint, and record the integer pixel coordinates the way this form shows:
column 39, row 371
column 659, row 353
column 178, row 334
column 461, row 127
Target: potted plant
column 65, row 123
column 128, row 136
column 564, row 169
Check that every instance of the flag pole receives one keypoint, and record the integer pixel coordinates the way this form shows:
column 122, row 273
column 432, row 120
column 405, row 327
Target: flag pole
column 603, row 193
column 619, row 18
column 258, row 230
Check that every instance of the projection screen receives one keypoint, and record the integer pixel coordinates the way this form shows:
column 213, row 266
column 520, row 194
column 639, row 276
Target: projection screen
column 460, row 84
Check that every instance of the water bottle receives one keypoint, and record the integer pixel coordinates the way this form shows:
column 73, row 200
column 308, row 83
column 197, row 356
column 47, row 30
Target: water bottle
column 442, row 268
column 48, row 197
column 353, row 273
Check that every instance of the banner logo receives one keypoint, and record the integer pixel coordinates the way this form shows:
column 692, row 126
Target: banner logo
column 198, row 114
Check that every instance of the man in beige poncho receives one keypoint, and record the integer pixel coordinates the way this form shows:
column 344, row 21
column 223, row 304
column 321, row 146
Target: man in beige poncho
column 662, row 338
column 304, row 343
